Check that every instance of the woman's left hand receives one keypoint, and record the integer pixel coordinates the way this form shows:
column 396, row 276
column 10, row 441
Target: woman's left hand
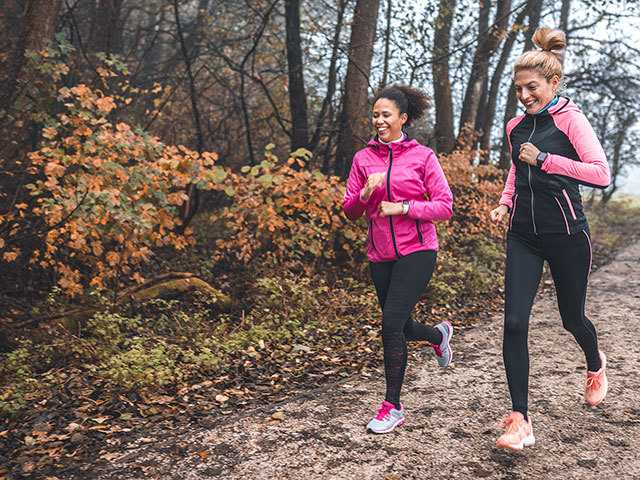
column 390, row 208
column 529, row 153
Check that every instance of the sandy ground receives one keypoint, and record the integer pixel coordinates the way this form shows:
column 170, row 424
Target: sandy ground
column 451, row 413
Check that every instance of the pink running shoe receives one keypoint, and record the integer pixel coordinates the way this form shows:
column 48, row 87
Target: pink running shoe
column 387, row 418
column 597, row 384
column 518, row 432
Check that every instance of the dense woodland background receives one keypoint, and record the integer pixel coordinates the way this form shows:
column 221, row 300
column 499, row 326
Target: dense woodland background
column 171, row 237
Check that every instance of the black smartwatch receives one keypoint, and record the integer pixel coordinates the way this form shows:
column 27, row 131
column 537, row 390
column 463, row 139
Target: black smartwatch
column 542, row 156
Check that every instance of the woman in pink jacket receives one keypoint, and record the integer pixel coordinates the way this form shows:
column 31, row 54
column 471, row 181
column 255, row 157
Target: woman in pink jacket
column 400, row 187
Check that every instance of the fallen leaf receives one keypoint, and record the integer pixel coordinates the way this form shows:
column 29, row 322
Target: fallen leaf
column 109, row 456
column 203, row 454
column 72, row 427
column 100, row 419
column 278, row 416
column 221, row 398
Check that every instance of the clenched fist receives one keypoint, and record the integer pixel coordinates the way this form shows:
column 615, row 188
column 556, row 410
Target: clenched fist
column 498, row 214
column 373, row 181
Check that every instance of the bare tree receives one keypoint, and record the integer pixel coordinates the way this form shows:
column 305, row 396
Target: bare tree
column 297, row 95
column 105, row 34
column 443, row 132
column 387, row 44
column 354, row 124
column 489, row 111
column 489, row 40
column 534, row 9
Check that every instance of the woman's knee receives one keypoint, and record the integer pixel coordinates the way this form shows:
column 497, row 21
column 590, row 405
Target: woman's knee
column 516, row 324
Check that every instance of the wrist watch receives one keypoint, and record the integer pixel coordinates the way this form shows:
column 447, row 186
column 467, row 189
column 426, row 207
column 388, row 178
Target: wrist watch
column 405, row 207
column 542, row 156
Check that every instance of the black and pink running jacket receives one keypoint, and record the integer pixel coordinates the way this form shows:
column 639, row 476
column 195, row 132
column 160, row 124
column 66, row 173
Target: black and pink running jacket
column 547, row 200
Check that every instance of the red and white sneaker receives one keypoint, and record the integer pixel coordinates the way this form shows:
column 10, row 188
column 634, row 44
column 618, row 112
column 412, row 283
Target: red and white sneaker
column 597, row 384
column 518, row 432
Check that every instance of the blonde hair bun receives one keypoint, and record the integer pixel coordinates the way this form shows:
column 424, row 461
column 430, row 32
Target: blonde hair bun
column 547, row 59
column 550, row 40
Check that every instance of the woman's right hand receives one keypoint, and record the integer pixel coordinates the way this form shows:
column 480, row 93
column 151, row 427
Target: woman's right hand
column 499, row 214
column 373, row 181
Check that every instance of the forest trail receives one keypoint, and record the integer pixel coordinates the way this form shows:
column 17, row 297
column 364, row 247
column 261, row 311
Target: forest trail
column 451, row 414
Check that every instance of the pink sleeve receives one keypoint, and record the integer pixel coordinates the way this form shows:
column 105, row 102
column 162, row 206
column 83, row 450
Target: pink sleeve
column 352, row 204
column 592, row 169
column 509, row 188
column 510, row 185
column 440, row 203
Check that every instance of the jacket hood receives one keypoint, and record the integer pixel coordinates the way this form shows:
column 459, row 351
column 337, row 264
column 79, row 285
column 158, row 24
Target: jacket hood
column 564, row 105
column 405, row 144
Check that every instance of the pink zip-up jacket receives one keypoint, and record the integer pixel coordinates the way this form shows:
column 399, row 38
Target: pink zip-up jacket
column 547, row 199
column 413, row 174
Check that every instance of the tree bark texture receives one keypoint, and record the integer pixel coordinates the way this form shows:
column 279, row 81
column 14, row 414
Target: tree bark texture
column 494, row 89
column 534, row 11
column 354, row 122
column 106, row 27
column 443, row 132
column 490, row 38
column 297, row 94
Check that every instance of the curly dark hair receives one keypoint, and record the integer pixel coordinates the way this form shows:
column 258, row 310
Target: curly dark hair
column 409, row 100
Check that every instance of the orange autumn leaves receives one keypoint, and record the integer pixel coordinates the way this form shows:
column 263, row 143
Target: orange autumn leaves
column 283, row 214
column 108, row 195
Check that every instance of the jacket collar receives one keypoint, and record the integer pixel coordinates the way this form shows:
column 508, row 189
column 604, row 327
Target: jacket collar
column 396, row 147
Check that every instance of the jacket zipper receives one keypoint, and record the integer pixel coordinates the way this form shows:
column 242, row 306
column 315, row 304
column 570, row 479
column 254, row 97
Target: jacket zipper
column 563, row 215
column 419, row 232
column 393, row 235
column 533, row 220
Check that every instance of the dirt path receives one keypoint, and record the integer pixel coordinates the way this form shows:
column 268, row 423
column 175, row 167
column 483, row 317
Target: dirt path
column 451, row 414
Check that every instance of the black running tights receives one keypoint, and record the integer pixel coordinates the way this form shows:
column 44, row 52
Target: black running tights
column 569, row 258
column 399, row 285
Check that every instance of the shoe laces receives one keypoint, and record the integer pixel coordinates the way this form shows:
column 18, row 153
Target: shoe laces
column 593, row 382
column 437, row 349
column 510, row 423
column 384, row 410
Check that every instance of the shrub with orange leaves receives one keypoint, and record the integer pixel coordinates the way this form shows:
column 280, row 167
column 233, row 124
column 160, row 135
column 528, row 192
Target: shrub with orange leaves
column 283, row 212
column 101, row 196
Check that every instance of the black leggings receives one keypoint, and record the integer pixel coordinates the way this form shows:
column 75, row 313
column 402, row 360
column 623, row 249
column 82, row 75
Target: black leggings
column 399, row 285
column 569, row 258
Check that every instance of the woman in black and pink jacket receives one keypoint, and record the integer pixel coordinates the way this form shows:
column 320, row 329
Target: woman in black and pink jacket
column 554, row 150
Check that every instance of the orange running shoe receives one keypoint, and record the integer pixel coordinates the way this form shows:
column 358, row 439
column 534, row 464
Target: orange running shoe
column 597, row 384
column 518, row 432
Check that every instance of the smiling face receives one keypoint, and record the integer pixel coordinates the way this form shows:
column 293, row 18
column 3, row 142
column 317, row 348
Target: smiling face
column 533, row 90
column 387, row 119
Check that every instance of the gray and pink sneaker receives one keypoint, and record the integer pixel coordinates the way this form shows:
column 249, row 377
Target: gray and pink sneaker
column 387, row 418
column 443, row 351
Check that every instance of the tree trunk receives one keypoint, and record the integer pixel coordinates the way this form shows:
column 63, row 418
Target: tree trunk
column 443, row 131
column 534, row 10
column 494, row 90
column 564, row 16
column 387, row 41
column 28, row 25
column 354, row 123
column 480, row 69
column 106, row 27
column 190, row 206
column 297, row 95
